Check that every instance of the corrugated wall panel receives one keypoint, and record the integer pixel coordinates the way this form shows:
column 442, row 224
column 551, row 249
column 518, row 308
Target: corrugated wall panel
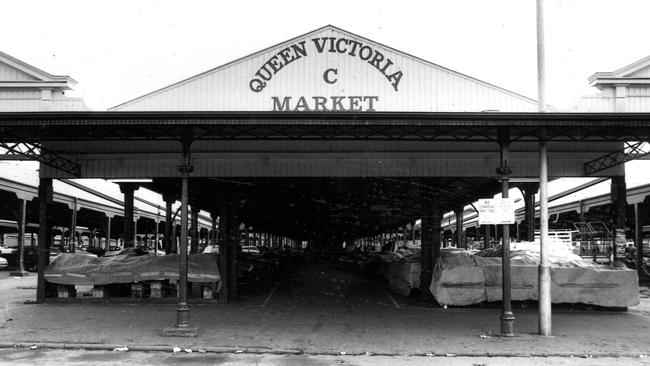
column 423, row 87
column 8, row 73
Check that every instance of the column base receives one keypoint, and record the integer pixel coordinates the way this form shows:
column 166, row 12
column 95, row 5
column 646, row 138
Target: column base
column 507, row 324
column 176, row 331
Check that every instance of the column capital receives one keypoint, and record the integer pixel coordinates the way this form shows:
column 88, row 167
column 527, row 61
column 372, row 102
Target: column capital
column 128, row 187
column 185, row 169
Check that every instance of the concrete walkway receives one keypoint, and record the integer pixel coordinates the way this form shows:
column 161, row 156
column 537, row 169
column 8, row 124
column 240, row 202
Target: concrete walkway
column 304, row 319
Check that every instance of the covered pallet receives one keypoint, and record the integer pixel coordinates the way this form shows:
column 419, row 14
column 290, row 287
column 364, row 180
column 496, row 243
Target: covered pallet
column 402, row 270
column 80, row 269
column 464, row 279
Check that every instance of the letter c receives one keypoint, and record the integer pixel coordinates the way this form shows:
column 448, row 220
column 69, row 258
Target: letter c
column 326, row 76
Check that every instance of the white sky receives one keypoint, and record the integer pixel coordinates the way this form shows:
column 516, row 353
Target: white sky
column 121, row 49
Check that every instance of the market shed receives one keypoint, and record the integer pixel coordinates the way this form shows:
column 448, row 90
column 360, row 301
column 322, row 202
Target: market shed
column 327, row 137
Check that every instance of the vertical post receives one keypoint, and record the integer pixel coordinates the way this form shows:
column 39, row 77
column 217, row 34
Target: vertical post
column 541, row 59
column 135, row 230
column 619, row 198
column 22, row 210
column 504, row 171
column 224, row 224
column 194, row 247
column 213, row 232
column 426, row 265
column 430, row 244
column 529, row 206
column 486, row 240
column 638, row 238
column 73, row 226
column 232, row 250
column 544, row 264
column 459, row 227
column 44, row 197
column 182, row 326
column 155, row 241
column 413, row 231
column 168, row 223
column 128, row 189
column 108, row 234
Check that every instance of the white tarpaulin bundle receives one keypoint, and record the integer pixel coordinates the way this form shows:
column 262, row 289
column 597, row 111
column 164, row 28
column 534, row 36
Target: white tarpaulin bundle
column 463, row 279
column 80, row 269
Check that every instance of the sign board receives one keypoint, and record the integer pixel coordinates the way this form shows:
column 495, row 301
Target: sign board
column 496, row 211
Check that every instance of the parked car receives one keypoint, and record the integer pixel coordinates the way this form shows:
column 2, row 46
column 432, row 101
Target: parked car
column 3, row 263
column 7, row 250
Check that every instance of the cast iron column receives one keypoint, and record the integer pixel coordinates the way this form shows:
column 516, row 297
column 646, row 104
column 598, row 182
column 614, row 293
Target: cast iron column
column 182, row 327
column 544, row 263
column 233, row 244
column 44, row 197
column 459, row 227
column 194, row 248
column 507, row 317
column 108, row 233
column 619, row 197
column 20, row 221
column 430, row 244
column 73, row 226
column 168, row 223
column 529, row 206
column 638, row 238
column 128, row 189
column 224, row 224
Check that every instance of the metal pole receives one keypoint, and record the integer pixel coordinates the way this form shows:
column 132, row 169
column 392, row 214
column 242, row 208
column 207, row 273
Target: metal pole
column 541, row 61
column 459, row 228
column 544, row 265
column 194, row 247
column 507, row 317
column 169, row 222
column 182, row 327
column 638, row 239
column 183, row 310
column 44, row 195
column 108, row 234
column 155, row 241
column 22, row 209
column 73, row 227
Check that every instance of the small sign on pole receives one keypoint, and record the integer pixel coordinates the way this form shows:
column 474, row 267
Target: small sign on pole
column 496, row 211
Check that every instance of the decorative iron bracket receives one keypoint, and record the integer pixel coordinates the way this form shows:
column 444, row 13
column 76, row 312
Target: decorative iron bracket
column 35, row 151
column 632, row 150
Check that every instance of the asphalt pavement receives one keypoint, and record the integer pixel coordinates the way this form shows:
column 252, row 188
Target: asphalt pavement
column 322, row 315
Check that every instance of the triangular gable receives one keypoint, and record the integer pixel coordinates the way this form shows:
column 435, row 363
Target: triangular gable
column 643, row 72
column 20, row 73
column 330, row 69
column 10, row 73
column 637, row 72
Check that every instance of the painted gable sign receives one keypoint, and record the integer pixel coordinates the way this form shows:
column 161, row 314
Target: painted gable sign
column 330, row 70
column 330, row 75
